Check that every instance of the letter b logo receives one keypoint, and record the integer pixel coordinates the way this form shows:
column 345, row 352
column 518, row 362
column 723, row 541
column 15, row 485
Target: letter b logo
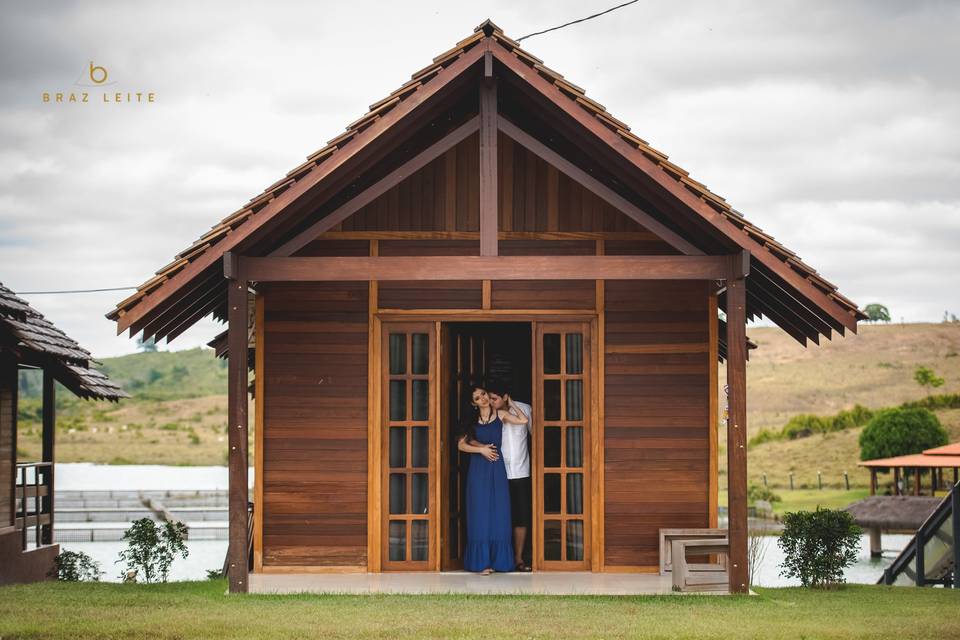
column 98, row 75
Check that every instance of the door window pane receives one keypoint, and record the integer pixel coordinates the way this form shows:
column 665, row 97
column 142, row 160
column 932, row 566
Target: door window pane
column 398, row 540
column 398, row 447
column 551, row 446
column 421, row 353
column 551, row 353
column 398, row 353
column 419, row 448
column 421, row 399
column 419, row 545
column 575, row 400
column 575, row 493
column 574, row 353
column 420, row 499
column 574, row 446
column 551, row 540
column 398, row 400
column 551, row 400
column 574, row 539
column 551, row 493
column 398, row 493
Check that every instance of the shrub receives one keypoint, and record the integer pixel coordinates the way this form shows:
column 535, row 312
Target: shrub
column 899, row 432
column 76, row 566
column 818, row 546
column 925, row 377
column 804, row 425
column 763, row 436
column 942, row 401
column 758, row 492
column 851, row 418
column 152, row 547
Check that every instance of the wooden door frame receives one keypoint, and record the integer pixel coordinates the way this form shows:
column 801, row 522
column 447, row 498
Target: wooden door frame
column 378, row 319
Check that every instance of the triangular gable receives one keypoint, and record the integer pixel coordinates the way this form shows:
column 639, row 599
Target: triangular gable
column 783, row 285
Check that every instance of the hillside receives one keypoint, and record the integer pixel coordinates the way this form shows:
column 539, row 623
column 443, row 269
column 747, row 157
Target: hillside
column 178, row 410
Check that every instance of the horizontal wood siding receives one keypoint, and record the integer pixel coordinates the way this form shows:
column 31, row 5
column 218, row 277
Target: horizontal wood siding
column 543, row 294
column 401, row 294
column 315, row 425
column 8, row 456
column 656, row 448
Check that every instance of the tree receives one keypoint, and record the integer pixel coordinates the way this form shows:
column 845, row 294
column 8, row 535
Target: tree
column 900, row 432
column 147, row 346
column 927, row 379
column 152, row 547
column 876, row 312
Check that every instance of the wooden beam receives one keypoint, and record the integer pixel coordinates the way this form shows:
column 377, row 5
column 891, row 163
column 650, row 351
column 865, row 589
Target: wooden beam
column 238, row 341
column 380, row 187
column 437, row 268
column 599, row 189
column 737, row 435
column 376, row 131
column 689, row 200
column 489, row 215
column 47, row 455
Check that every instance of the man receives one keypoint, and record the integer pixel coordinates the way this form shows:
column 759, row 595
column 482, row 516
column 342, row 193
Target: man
column 515, row 450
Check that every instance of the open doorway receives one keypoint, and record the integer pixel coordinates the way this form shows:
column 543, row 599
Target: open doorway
column 474, row 353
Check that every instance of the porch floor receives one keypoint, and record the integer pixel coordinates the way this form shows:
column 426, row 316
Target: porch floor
column 539, row 583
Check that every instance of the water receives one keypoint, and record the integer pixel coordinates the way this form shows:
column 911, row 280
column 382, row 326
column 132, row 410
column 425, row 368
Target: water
column 209, row 554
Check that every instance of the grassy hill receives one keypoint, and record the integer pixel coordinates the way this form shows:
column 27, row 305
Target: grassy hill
column 177, row 414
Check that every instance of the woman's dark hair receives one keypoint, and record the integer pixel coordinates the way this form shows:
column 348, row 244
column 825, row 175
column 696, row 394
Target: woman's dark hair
column 471, row 416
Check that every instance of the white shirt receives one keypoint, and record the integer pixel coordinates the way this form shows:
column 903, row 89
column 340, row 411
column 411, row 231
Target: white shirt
column 516, row 454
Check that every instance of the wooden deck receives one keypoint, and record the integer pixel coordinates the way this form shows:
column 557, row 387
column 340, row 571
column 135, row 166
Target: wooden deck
column 548, row 583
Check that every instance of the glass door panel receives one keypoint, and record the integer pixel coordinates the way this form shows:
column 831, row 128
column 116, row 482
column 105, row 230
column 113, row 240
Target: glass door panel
column 409, row 427
column 562, row 433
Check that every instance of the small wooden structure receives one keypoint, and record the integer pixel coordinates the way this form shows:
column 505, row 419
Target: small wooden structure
column 485, row 219
column 908, row 467
column 30, row 341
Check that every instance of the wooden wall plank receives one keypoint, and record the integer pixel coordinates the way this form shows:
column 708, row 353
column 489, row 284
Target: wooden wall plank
column 656, row 416
column 315, row 425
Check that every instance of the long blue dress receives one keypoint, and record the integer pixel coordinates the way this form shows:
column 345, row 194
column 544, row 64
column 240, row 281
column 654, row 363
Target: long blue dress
column 489, row 536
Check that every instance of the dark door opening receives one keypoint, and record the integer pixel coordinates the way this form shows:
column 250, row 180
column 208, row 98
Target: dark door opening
column 474, row 353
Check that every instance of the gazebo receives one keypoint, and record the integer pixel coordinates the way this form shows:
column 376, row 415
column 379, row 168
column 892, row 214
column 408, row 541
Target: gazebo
column 934, row 460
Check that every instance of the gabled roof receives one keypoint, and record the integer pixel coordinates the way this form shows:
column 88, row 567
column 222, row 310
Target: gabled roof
column 27, row 332
column 784, row 287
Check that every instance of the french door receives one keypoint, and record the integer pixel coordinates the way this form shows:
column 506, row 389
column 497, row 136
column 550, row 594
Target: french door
column 409, row 423
column 562, row 411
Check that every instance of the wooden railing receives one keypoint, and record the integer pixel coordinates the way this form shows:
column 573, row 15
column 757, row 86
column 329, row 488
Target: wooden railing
column 941, row 532
column 33, row 493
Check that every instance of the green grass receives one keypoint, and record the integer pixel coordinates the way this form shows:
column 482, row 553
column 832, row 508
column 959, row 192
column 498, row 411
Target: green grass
column 200, row 609
column 809, row 499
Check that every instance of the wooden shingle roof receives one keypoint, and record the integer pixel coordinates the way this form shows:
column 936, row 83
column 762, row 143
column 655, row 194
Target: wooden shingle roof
column 786, row 289
column 26, row 330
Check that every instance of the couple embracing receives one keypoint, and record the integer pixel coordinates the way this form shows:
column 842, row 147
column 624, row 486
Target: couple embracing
column 498, row 500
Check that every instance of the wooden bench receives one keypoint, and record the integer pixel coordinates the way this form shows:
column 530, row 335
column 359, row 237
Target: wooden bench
column 667, row 536
column 685, row 578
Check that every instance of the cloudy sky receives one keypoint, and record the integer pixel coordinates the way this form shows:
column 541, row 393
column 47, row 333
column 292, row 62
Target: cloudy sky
column 832, row 125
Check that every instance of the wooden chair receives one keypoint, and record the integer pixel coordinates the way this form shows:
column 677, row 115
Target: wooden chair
column 667, row 536
column 685, row 578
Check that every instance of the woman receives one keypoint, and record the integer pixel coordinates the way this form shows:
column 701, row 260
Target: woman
column 489, row 535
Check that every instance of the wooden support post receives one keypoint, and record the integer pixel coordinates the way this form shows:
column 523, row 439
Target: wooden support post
column 916, row 481
column 736, row 434
column 47, row 454
column 237, row 437
column 876, row 543
column 955, row 498
column 896, row 481
column 488, row 161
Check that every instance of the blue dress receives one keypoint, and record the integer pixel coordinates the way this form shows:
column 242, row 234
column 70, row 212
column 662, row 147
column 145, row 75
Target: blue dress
column 489, row 534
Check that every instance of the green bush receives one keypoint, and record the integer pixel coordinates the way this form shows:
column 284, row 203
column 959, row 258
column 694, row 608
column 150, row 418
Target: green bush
column 942, row 401
column 76, row 566
column 804, row 425
column 818, row 546
column 763, row 436
column 899, row 432
column 152, row 548
column 758, row 492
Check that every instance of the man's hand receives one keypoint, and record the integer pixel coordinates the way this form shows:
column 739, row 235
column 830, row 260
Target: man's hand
column 489, row 451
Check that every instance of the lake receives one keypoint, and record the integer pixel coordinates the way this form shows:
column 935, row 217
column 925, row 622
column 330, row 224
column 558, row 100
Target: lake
column 209, row 554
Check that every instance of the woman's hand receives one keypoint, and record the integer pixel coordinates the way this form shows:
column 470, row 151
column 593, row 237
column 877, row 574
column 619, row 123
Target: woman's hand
column 489, row 451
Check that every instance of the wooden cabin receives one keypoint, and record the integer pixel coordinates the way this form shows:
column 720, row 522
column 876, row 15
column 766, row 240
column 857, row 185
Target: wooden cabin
column 30, row 341
column 486, row 218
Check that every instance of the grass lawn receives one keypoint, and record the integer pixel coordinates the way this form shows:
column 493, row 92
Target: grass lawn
column 808, row 499
column 200, row 609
